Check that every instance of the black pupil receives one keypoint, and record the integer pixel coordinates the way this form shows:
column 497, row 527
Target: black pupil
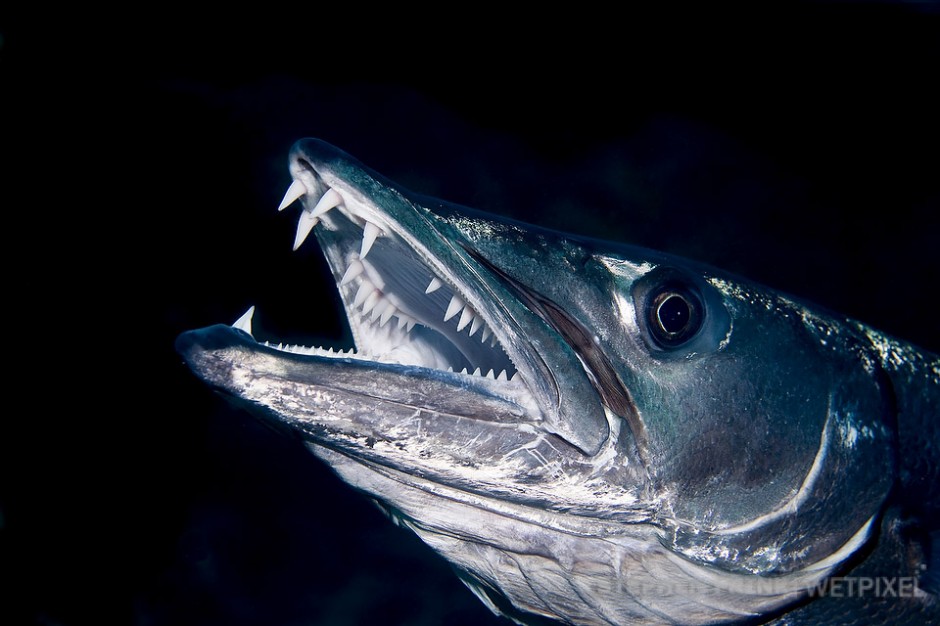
column 674, row 313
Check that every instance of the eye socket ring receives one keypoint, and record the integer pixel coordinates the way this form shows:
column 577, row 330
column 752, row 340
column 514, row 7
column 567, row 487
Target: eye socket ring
column 679, row 314
column 674, row 315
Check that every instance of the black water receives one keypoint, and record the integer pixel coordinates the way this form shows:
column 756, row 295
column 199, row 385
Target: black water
column 142, row 171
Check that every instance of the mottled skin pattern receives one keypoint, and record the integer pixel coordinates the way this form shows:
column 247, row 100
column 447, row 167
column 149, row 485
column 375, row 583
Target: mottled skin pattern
column 627, row 476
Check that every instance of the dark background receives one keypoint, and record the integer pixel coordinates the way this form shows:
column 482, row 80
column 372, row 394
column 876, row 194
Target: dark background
column 143, row 159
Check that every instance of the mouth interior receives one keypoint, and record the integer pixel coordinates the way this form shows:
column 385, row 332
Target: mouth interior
column 399, row 310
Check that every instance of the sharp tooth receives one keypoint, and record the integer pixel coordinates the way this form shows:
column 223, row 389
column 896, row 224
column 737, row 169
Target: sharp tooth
column 380, row 307
column 464, row 371
column 295, row 190
column 364, row 290
column 514, row 377
column 490, row 375
column 371, row 300
column 355, row 268
column 493, row 341
column 502, row 376
column 280, row 346
column 331, row 199
column 387, row 314
column 476, row 372
column 434, row 285
column 477, row 323
column 244, row 322
column 405, row 321
column 455, row 306
column 486, row 333
column 466, row 316
column 304, row 226
column 369, row 232
column 450, row 369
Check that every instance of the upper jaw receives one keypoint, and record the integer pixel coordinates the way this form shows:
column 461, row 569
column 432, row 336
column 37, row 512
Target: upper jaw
column 405, row 303
column 414, row 295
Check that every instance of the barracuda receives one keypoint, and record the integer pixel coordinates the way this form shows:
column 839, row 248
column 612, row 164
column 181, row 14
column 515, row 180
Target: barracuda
column 597, row 433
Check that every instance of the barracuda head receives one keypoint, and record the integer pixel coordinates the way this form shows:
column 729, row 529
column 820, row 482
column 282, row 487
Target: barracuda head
column 589, row 432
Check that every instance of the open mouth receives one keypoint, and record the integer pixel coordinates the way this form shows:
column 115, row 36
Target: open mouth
column 400, row 310
column 430, row 294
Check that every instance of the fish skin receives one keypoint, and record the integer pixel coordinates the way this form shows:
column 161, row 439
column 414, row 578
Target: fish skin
column 701, row 482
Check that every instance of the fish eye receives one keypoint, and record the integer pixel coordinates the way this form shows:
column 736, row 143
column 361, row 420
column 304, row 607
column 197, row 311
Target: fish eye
column 674, row 315
column 678, row 313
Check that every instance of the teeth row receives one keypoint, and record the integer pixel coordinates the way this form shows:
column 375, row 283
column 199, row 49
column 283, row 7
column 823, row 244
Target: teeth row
column 244, row 323
column 309, row 218
column 490, row 374
column 369, row 295
column 321, row 351
column 468, row 317
column 299, row 349
column 373, row 301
